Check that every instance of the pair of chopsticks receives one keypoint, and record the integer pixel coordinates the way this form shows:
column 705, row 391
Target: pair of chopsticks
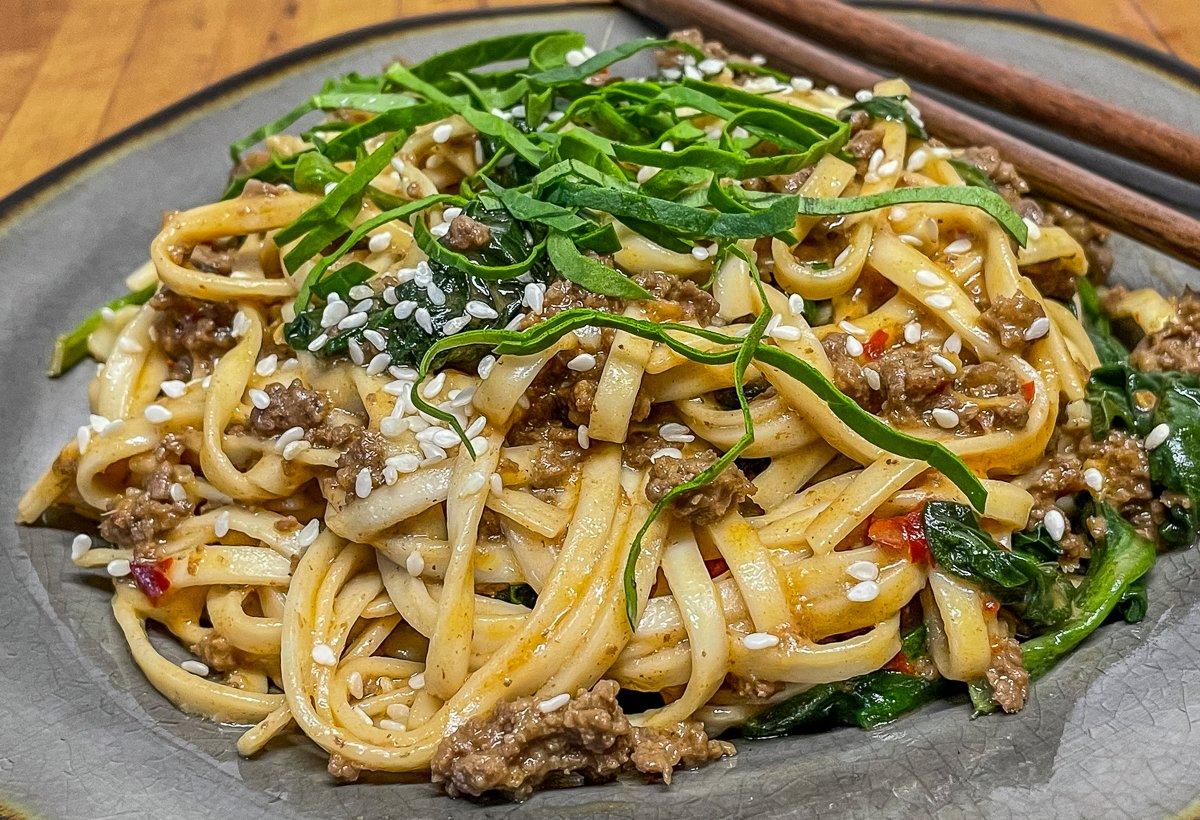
column 763, row 27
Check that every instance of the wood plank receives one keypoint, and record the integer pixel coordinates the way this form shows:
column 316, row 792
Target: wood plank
column 1121, row 17
column 22, row 49
column 1178, row 23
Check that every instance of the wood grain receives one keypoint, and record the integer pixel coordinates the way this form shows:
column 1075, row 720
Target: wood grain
column 76, row 71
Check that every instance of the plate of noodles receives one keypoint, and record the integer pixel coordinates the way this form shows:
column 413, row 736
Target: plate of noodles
column 564, row 404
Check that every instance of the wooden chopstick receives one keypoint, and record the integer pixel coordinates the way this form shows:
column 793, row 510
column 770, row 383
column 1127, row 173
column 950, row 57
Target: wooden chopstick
column 880, row 41
column 1111, row 204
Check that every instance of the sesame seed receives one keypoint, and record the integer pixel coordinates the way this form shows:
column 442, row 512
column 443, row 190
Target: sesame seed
column 294, row 448
column 392, row 426
column 379, row 364
column 405, row 462
column 940, row 301
column 711, row 65
column 323, row 654
column 440, row 230
column 389, row 295
column 917, row 159
column 888, row 168
column 318, row 343
column 575, row 57
column 330, row 187
column 1035, row 231
column 397, row 711
column 480, row 310
column 354, row 683
column 772, row 323
column 944, row 363
column 645, row 172
column 953, row 343
column 534, row 296
column 434, row 386
column 897, row 213
column 445, row 438
column 853, row 346
column 665, row 452
column 929, row 279
column 851, row 328
column 352, row 321
column 455, row 325
column 1055, row 524
column 700, row 253
column 958, row 246
column 240, row 324
column 863, row 571
column 476, row 427
column 863, row 591
column 423, row 319
column 288, row 436
column 417, row 681
column 760, row 640
column 555, row 703
column 118, row 568
column 83, row 437
column 945, row 418
column 1093, row 478
column 872, row 377
column 873, row 162
column 362, row 483
column 361, row 292
column 221, row 524
column 1157, row 436
column 581, row 435
column 1038, row 328
column 675, row 432
column 912, row 332
column 582, row 362
column 909, row 239
column 443, row 132
column 786, row 333
column 496, row 483
column 195, row 667
column 267, row 365
column 796, row 304
column 80, row 544
column 802, row 83
column 309, row 533
column 415, row 564
column 380, row 242
column 178, row 494
column 156, row 413
column 758, row 59
column 404, row 309
column 259, row 398
column 173, row 388
column 375, row 338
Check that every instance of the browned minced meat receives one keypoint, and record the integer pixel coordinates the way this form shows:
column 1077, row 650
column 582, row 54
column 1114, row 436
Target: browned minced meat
column 677, row 299
column 365, row 449
column 909, row 381
column 191, row 332
column 563, row 294
column 752, row 687
column 213, row 257
column 140, row 517
column 702, row 505
column 783, row 183
column 987, row 397
column 217, row 652
column 1007, row 675
column 1052, row 278
column 865, row 140
column 1009, row 317
column 987, row 159
column 1177, row 345
column 560, row 393
column 467, row 234
column 848, row 371
column 1093, row 237
column 673, row 57
column 342, row 769
column 518, row 748
column 556, row 455
column 293, row 405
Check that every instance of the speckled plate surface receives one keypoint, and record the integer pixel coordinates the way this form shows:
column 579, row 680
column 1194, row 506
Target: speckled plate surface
column 1108, row 733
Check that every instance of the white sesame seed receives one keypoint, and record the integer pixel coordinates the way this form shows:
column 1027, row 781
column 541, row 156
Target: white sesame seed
column 711, row 65
column 195, row 667
column 929, row 279
column 802, row 84
column 178, row 494
column 786, row 333
column 909, row 239
column 354, row 683
column 353, row 321
column 361, row 292
column 323, row 654
column 897, row 213
column 1157, row 436
column 221, row 524
column 582, row 362
column 863, row 591
column 772, row 323
column 496, row 483
column 463, row 397
column 939, row 301
column 675, row 432
column 79, row 545
column 380, row 242
column 318, row 343
column 379, row 364
column 375, row 338
column 476, row 427
column 334, row 312
column 356, row 352
column 665, row 452
column 309, row 533
column 330, row 187
column 945, row 418
column 440, row 230
column 1038, row 328
column 288, row 436
column 851, row 328
column 434, row 386
column 240, row 324
column 444, row 438
column 863, row 570
column 534, row 296
column 405, row 462
column 443, row 132
column 259, row 398
column 853, row 346
column 128, row 345
column 958, row 246
column 1035, row 231
column 888, row 168
column 423, row 319
column 760, row 640
column 389, row 295
column 917, row 159
column 953, row 343
column 83, row 437
column 267, row 365
column 912, row 332
column 436, row 295
column 575, row 57
column 944, row 363
column 294, row 448
column 362, row 483
column 417, row 681
column 404, row 309
column 480, row 310
column 156, row 414
column 392, row 426
column 700, row 253
column 581, row 435
column 645, row 173
column 1093, row 478
column 173, row 388
column 1055, row 524
column 485, row 366
column 553, row 704
column 118, row 568
column 796, row 304
column 415, row 564
column 872, row 377
column 455, row 325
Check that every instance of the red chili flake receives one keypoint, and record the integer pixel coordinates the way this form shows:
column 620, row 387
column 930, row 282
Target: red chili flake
column 716, row 566
column 903, row 533
column 875, row 346
column 1027, row 391
column 151, row 577
column 901, row 663
column 991, row 606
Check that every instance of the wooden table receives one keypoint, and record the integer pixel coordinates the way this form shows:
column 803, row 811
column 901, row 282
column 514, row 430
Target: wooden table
column 76, row 71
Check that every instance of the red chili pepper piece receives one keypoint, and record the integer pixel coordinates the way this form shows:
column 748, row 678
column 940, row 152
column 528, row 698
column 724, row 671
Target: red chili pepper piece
column 716, row 566
column 903, row 533
column 1027, row 391
column 875, row 346
column 151, row 577
column 901, row 663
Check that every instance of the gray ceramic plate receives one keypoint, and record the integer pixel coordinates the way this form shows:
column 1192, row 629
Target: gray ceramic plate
column 1109, row 732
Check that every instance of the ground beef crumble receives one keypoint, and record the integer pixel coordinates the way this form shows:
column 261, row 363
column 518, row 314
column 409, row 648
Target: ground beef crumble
column 518, row 748
column 217, row 652
column 342, row 769
column 467, row 234
column 364, row 450
column 1007, row 675
column 191, row 332
column 556, row 452
column 292, row 405
column 1009, row 317
column 702, row 505
column 1177, row 345
column 141, row 516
